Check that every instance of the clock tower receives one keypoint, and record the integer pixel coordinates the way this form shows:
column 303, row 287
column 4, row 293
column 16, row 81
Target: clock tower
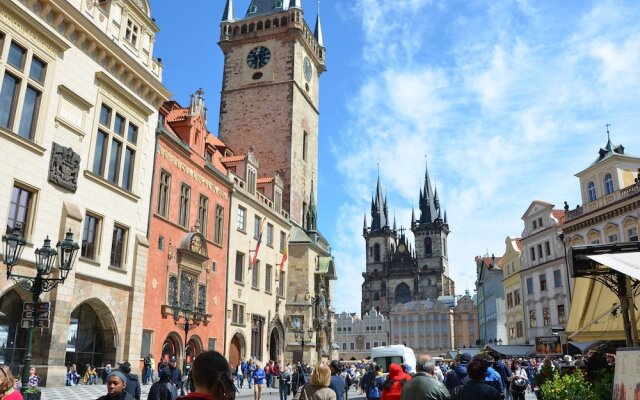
column 272, row 67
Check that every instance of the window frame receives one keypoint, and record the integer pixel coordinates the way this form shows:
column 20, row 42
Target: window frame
column 543, row 282
column 132, row 32
column 241, row 219
column 163, row 198
column 29, row 213
column 97, row 231
column 255, row 275
column 124, row 248
column 218, row 225
column 203, row 213
column 238, row 314
column 184, row 206
column 239, row 268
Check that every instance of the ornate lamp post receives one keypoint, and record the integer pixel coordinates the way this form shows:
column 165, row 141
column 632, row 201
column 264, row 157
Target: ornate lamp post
column 303, row 337
column 191, row 318
column 45, row 261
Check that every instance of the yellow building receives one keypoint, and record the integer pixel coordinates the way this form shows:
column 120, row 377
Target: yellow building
column 512, row 282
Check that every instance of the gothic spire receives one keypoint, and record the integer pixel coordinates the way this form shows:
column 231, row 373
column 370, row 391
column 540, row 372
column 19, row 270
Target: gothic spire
column 364, row 225
column 436, row 200
column 227, row 16
column 413, row 216
column 318, row 31
column 379, row 210
column 428, row 207
column 445, row 217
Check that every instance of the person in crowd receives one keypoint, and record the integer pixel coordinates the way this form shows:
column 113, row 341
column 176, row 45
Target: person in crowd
column 163, row 389
column 424, row 385
column 285, row 383
column 337, row 383
column 176, row 374
column 132, row 384
column 116, row 387
column 72, row 375
column 90, row 375
column 275, row 373
column 456, row 376
column 267, row 372
column 373, row 381
column 105, row 373
column 298, row 377
column 545, row 373
column 318, row 387
column 518, row 381
column 492, row 377
column 259, row 377
column 476, row 388
column 406, row 370
column 147, row 371
column 392, row 386
column 505, row 373
column 7, row 385
column 579, row 361
column 611, row 360
column 162, row 364
column 240, row 374
column 212, row 378
column 34, row 379
column 246, row 371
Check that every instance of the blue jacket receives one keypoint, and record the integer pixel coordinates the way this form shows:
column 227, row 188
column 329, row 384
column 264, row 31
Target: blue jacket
column 493, row 378
column 338, row 386
column 504, row 372
column 259, row 376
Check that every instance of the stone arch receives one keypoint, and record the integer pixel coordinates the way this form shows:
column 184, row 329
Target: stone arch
column 260, row 25
column 611, row 229
column 243, row 29
column 171, row 346
column 252, row 27
column 593, row 236
column 267, row 24
column 15, row 342
column 236, row 30
column 237, row 349
column 193, row 347
column 275, row 342
column 276, row 23
column 283, row 21
column 577, row 240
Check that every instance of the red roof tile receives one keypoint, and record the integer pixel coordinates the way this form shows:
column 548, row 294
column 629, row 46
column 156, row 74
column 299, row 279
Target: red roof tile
column 519, row 243
column 264, row 180
column 176, row 115
column 214, row 141
column 233, row 158
column 559, row 215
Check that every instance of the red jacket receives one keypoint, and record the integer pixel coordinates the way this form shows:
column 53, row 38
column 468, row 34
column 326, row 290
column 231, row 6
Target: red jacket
column 392, row 388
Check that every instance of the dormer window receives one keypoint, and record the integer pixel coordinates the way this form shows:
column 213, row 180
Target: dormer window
column 131, row 32
column 591, row 191
column 608, row 184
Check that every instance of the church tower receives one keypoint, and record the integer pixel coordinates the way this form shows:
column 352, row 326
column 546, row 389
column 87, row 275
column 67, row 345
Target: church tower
column 270, row 90
column 430, row 232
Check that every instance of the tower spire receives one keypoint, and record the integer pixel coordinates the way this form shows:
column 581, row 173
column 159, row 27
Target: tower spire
column 227, row 15
column 428, row 202
column 318, row 31
column 294, row 4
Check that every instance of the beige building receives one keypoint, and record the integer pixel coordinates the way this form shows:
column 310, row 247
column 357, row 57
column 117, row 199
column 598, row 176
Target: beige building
column 426, row 326
column 256, row 281
column 512, row 281
column 79, row 94
column 465, row 322
column 610, row 213
column 356, row 336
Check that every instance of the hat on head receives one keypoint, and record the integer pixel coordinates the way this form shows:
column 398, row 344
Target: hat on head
column 465, row 358
column 117, row 374
column 335, row 364
column 173, row 358
column 125, row 365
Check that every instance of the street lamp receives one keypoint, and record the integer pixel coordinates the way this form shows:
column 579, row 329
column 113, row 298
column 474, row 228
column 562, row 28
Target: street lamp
column 303, row 339
column 45, row 261
column 192, row 316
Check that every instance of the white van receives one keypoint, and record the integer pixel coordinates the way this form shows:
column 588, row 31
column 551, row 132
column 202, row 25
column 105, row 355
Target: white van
column 397, row 354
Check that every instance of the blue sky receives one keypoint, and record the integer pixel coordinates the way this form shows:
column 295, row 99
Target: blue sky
column 508, row 100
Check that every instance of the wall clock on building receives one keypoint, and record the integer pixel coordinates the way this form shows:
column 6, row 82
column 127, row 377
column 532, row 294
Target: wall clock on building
column 258, row 57
column 296, row 323
column 308, row 70
column 402, row 248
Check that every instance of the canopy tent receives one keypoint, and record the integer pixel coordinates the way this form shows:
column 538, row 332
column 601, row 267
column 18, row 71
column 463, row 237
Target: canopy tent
column 582, row 347
column 627, row 263
column 512, row 350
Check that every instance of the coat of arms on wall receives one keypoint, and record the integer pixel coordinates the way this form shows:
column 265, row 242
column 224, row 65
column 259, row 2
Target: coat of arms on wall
column 64, row 167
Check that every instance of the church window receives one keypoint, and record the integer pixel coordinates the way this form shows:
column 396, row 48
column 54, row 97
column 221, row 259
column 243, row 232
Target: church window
column 185, row 199
column 591, row 191
column 376, row 252
column 428, row 249
column 608, row 184
column 305, row 140
column 403, row 293
column 376, row 297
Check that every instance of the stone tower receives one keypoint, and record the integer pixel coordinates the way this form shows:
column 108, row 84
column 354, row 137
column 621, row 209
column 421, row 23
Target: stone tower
column 395, row 272
column 272, row 67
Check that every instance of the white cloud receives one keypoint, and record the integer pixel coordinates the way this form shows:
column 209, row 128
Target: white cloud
column 508, row 100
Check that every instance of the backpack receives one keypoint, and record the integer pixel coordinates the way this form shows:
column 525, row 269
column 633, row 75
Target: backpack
column 453, row 380
column 373, row 392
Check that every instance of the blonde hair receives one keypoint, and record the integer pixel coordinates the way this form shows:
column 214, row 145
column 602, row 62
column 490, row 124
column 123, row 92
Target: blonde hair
column 321, row 375
column 6, row 379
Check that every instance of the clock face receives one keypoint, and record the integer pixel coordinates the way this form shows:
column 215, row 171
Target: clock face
column 296, row 323
column 402, row 248
column 258, row 57
column 307, row 69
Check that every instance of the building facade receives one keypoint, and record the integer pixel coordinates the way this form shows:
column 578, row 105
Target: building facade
column 80, row 92
column 465, row 322
column 610, row 213
column 356, row 336
column 545, row 281
column 491, row 307
column 188, row 236
column 426, row 326
column 270, row 103
column 512, row 282
column 396, row 273
column 258, row 275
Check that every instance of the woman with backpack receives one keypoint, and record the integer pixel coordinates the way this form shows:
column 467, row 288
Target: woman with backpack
column 392, row 386
column 518, row 381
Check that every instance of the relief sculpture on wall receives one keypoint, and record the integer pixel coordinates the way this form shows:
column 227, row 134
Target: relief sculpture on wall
column 64, row 167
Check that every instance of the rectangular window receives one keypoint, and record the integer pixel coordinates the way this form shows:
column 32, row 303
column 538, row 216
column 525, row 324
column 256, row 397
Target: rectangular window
column 529, row 285
column 305, row 144
column 255, row 275
column 185, row 200
column 540, row 222
column 512, row 330
column 237, row 314
column 539, row 251
column 203, row 214
column 546, row 316
column 535, row 224
column 367, row 345
column 242, row 213
column 352, row 346
column 561, row 316
column 145, row 349
column 160, row 242
column 256, row 227
column 21, row 74
column 613, row 238
column 509, row 300
column 118, row 166
column 344, row 346
column 547, row 248
column 270, row 235
column 532, row 319
column 543, row 282
column 90, row 235
column 282, row 281
column 632, row 234
column 519, row 329
column 557, row 278
column 239, row 267
column 118, row 246
column 131, row 32
column 533, row 253
column 283, row 241
column 218, row 225
column 164, row 190
column 516, row 297
column 278, row 200
column 20, row 210
column 268, row 278
column 213, row 344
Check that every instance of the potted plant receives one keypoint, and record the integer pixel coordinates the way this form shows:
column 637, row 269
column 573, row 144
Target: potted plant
column 32, row 393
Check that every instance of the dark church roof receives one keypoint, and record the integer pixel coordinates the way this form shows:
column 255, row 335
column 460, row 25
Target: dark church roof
column 264, row 7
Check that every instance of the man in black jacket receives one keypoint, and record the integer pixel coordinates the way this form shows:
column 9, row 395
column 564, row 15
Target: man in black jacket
column 133, row 384
column 476, row 388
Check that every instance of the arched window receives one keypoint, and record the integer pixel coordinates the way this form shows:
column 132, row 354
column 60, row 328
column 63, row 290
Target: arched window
column 428, row 248
column 591, row 191
column 403, row 293
column 376, row 297
column 608, row 184
column 376, row 252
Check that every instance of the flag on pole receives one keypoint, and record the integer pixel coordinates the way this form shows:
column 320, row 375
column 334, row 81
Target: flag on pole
column 255, row 253
column 285, row 254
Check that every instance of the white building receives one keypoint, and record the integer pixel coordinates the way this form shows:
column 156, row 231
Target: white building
column 79, row 96
column 356, row 337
